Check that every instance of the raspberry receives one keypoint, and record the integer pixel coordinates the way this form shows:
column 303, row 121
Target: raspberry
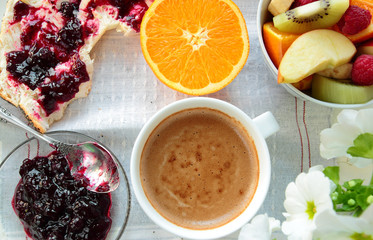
column 362, row 70
column 354, row 20
column 298, row 3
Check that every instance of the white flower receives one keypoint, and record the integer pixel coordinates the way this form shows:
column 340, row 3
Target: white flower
column 331, row 226
column 305, row 199
column 321, row 168
column 260, row 228
column 335, row 141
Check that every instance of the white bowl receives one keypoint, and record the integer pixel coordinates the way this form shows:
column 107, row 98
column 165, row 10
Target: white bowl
column 264, row 16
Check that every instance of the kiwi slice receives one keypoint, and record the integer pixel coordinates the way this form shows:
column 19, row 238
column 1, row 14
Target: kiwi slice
column 315, row 15
column 340, row 91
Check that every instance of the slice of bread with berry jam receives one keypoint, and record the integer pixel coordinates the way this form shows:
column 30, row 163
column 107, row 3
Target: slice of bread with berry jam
column 45, row 46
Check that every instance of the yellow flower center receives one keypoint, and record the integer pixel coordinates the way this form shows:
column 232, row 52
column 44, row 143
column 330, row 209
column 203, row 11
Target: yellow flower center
column 311, row 209
column 361, row 236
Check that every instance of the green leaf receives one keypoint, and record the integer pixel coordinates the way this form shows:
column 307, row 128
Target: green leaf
column 362, row 201
column 332, row 173
column 352, row 197
column 353, row 184
column 363, row 146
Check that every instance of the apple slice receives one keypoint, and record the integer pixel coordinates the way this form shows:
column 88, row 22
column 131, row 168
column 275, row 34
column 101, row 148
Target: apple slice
column 277, row 7
column 304, row 84
column 340, row 72
column 313, row 52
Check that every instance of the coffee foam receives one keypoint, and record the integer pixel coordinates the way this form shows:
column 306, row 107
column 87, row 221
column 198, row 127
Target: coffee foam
column 199, row 168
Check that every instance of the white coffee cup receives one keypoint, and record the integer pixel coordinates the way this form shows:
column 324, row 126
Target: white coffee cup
column 258, row 128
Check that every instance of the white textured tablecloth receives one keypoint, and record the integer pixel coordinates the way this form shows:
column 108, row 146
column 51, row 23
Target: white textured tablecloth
column 125, row 93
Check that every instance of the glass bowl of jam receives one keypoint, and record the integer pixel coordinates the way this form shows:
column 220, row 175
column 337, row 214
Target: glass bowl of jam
column 41, row 200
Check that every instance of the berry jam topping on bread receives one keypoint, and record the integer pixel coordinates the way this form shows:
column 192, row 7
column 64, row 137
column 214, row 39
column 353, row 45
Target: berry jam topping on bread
column 46, row 47
column 129, row 11
column 53, row 205
column 42, row 48
column 20, row 10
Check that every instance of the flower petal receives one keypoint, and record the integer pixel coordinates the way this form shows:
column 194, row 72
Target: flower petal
column 339, row 134
column 258, row 229
column 364, row 120
column 368, row 215
column 274, row 224
column 294, row 201
column 335, row 141
column 318, row 168
column 330, row 153
column 298, row 229
column 347, row 116
column 314, row 186
column 329, row 224
column 329, row 228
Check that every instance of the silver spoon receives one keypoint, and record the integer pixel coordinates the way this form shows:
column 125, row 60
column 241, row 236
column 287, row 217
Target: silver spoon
column 89, row 162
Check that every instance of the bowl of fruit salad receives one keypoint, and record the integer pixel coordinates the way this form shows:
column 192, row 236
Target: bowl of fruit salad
column 41, row 200
column 320, row 50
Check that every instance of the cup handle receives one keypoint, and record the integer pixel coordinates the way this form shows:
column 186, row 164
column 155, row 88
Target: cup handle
column 267, row 124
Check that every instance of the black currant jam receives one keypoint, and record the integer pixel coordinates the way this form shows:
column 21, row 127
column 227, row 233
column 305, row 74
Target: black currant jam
column 43, row 47
column 20, row 10
column 129, row 11
column 51, row 204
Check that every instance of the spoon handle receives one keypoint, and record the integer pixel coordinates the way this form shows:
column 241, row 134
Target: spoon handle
column 5, row 114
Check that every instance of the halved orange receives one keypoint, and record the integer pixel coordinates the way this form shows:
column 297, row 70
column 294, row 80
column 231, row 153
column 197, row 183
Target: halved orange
column 195, row 46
